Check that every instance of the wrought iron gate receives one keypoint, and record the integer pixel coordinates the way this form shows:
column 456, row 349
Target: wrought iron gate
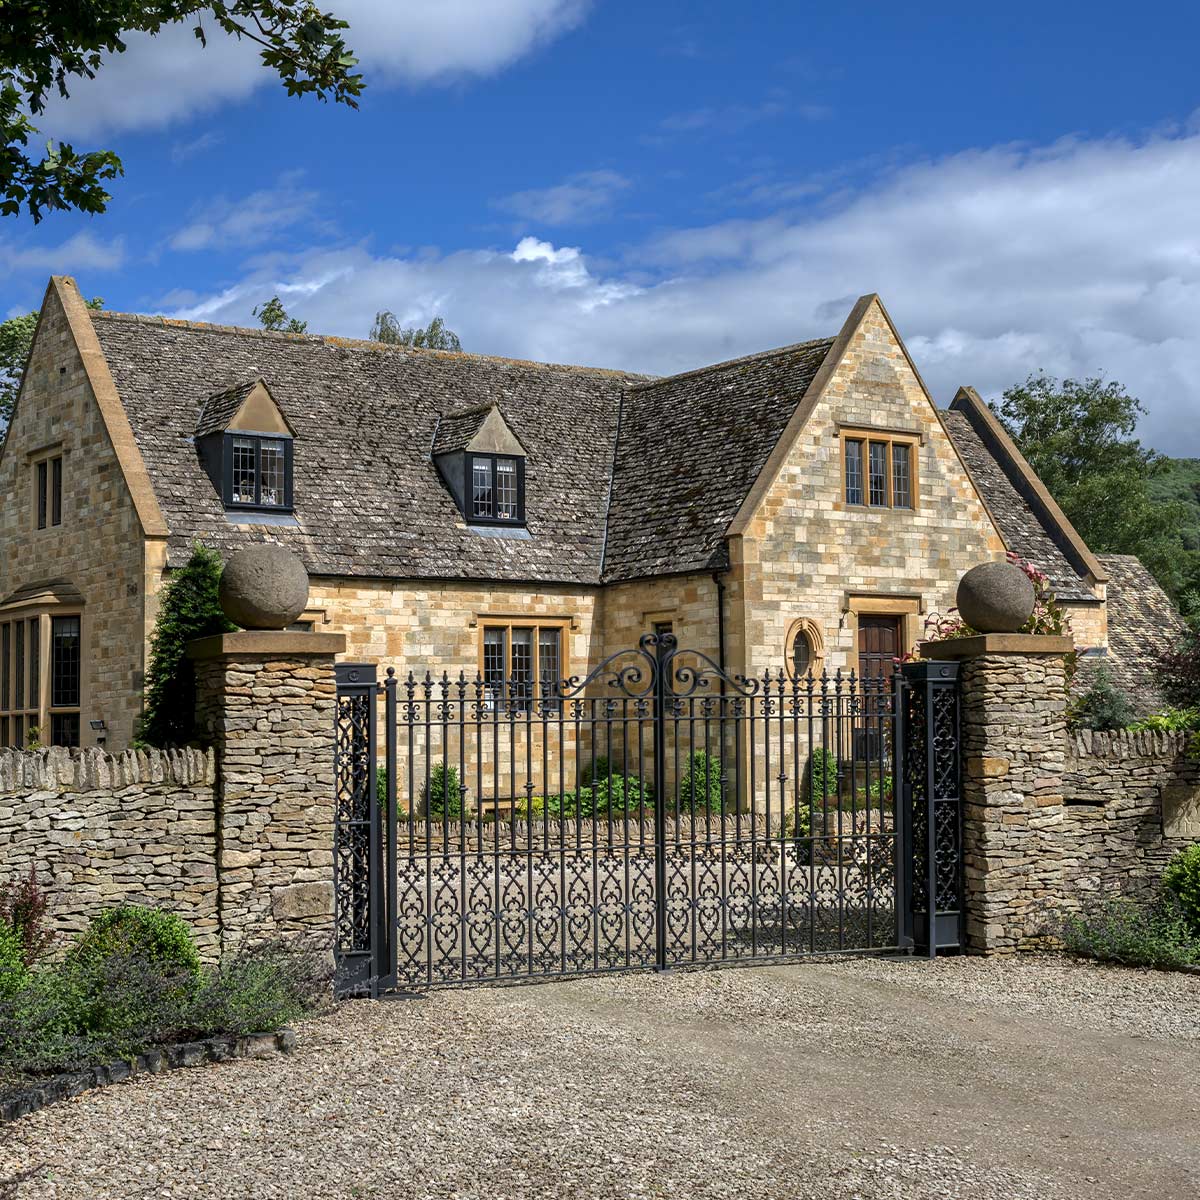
column 657, row 813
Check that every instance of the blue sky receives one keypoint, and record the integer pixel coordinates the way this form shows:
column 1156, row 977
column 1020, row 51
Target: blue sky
column 659, row 186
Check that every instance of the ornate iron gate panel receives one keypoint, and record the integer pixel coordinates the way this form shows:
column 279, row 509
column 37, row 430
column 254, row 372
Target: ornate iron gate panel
column 657, row 813
column 932, row 795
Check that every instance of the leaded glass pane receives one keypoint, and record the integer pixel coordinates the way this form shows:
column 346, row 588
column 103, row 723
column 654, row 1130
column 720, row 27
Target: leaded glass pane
column 481, row 487
column 272, row 487
column 878, row 473
column 243, row 471
column 64, row 663
column 801, row 654
column 901, row 476
column 522, row 666
column 854, row 472
column 549, row 662
column 493, row 662
column 506, row 489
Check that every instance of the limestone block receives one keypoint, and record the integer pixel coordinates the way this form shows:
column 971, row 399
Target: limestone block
column 300, row 900
column 1181, row 811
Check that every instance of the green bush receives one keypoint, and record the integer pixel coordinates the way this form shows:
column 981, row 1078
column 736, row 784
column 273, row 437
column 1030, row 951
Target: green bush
column 1170, row 720
column 1103, row 706
column 443, row 793
column 1136, row 933
column 132, row 931
column 700, row 789
column 1181, row 880
column 822, row 777
column 13, row 972
column 599, row 768
column 618, row 794
column 188, row 608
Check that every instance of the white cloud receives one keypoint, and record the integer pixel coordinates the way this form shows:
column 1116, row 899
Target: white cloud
column 161, row 80
column 80, row 252
column 582, row 198
column 249, row 221
column 1075, row 258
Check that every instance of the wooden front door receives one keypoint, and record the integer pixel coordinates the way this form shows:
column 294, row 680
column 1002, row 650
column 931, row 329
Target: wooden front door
column 878, row 646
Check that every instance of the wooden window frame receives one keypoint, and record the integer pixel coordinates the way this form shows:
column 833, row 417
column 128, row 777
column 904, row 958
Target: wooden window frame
column 889, row 439
column 227, row 471
column 469, row 460
column 536, row 625
column 37, row 709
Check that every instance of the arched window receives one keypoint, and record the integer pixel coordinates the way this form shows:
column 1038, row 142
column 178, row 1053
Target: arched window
column 802, row 654
column 804, row 649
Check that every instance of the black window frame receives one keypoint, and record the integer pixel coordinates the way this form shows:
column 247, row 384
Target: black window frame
column 469, row 461
column 48, row 490
column 227, row 471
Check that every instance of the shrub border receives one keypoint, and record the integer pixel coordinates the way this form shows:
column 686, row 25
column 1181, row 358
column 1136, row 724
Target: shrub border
column 154, row 1062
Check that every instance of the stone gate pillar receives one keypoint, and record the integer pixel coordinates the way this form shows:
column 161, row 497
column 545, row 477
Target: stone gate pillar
column 1013, row 710
column 265, row 702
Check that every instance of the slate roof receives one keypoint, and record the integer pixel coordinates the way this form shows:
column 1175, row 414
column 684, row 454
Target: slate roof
column 688, row 451
column 1142, row 624
column 221, row 407
column 455, row 430
column 681, row 453
column 369, row 501
column 1019, row 525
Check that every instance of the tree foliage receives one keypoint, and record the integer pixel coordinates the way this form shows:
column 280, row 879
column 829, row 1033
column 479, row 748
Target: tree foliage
column 16, row 340
column 189, row 608
column 46, row 46
column 435, row 336
column 274, row 316
column 1080, row 439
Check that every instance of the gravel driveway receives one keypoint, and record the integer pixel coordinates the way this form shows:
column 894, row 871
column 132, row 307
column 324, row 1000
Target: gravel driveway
column 1039, row 1078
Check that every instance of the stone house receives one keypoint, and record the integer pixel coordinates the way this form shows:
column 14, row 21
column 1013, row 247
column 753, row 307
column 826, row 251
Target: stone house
column 805, row 507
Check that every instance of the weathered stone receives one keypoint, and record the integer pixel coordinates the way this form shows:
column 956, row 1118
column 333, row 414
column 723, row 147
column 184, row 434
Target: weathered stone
column 264, row 587
column 302, row 900
column 1181, row 811
column 995, row 597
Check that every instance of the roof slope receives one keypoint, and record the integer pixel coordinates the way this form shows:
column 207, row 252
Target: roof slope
column 688, row 451
column 221, row 407
column 368, row 497
column 1142, row 624
column 1023, row 533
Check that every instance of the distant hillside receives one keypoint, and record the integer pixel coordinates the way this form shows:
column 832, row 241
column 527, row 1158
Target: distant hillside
column 1181, row 481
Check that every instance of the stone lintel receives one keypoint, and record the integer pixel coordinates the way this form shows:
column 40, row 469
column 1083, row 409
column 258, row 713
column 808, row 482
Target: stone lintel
column 268, row 643
column 1028, row 644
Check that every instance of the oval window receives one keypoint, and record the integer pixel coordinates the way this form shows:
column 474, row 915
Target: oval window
column 801, row 654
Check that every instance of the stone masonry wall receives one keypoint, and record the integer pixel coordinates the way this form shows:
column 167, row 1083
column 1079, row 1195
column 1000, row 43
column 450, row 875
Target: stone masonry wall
column 271, row 722
column 1131, row 802
column 102, row 830
column 1013, row 730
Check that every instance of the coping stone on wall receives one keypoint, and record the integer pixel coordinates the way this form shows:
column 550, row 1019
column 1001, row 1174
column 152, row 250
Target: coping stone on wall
column 57, row 769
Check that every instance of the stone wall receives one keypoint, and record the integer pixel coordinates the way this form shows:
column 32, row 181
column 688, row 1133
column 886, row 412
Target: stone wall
column 1131, row 802
column 266, row 702
column 102, row 830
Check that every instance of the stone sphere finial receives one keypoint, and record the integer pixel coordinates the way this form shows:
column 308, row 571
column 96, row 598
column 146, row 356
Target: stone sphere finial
column 263, row 587
column 995, row 597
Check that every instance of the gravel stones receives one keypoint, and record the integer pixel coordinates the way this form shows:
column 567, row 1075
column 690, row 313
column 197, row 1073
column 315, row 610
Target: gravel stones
column 995, row 597
column 1027, row 1079
column 263, row 587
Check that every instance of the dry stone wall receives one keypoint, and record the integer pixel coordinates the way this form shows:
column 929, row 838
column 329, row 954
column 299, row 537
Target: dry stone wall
column 102, row 830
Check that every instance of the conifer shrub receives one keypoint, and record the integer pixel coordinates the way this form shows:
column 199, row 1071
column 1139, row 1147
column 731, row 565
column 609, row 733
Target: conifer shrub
column 189, row 608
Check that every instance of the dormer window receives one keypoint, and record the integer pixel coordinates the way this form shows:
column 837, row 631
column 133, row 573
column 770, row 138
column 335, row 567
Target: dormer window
column 497, row 488
column 245, row 444
column 260, row 471
column 482, row 462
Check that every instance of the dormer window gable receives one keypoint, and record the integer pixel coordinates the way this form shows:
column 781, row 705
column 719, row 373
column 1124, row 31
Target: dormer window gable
column 482, row 462
column 246, row 446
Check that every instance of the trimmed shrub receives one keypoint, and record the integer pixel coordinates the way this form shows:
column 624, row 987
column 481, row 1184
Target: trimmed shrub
column 188, row 608
column 23, row 907
column 1179, row 672
column 700, row 789
column 443, row 793
column 822, row 777
column 1103, row 706
column 1132, row 932
column 1181, row 879
column 134, row 932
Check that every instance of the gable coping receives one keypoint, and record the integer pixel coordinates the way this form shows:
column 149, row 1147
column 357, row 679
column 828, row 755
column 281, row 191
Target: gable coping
column 108, row 401
column 968, row 401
